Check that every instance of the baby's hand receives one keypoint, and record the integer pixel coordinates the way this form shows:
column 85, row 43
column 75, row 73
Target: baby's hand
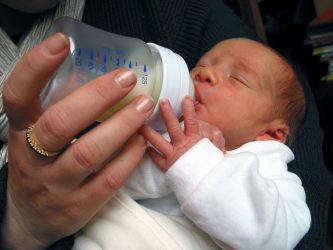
column 166, row 153
column 214, row 134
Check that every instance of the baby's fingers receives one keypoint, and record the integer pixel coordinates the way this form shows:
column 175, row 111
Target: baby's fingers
column 214, row 134
column 190, row 120
column 219, row 141
column 171, row 122
column 158, row 159
column 157, row 140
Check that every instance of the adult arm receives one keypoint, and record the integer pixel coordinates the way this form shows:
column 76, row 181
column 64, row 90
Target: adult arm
column 50, row 198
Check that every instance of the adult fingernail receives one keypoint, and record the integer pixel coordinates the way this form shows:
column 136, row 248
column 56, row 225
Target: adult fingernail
column 144, row 104
column 125, row 78
column 56, row 43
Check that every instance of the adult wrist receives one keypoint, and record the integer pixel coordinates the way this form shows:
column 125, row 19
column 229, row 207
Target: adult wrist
column 15, row 235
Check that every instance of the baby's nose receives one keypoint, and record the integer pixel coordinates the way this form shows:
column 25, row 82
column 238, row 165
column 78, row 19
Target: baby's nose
column 206, row 75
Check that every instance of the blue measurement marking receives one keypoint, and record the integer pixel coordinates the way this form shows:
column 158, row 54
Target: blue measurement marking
column 105, row 50
column 145, row 68
column 92, row 55
column 130, row 65
column 91, row 65
column 105, row 59
column 78, row 58
column 118, row 61
column 103, row 68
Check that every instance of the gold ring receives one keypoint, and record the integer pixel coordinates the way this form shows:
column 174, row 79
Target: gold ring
column 33, row 143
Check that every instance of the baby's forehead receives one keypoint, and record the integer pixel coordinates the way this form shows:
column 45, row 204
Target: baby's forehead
column 236, row 44
column 239, row 48
column 246, row 52
column 250, row 51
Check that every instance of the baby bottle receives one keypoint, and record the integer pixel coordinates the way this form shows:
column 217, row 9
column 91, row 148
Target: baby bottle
column 160, row 72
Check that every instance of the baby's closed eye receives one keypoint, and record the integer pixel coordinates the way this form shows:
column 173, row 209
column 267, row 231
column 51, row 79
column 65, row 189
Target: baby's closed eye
column 241, row 79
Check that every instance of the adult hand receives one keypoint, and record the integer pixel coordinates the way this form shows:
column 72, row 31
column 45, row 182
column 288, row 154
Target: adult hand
column 52, row 197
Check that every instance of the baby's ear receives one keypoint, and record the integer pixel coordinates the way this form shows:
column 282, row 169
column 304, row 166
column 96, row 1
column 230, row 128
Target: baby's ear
column 276, row 130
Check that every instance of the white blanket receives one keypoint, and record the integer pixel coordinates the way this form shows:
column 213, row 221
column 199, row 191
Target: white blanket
column 124, row 224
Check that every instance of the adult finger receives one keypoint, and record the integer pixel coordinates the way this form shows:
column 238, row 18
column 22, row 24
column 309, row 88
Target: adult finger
column 23, row 86
column 65, row 119
column 100, row 187
column 95, row 147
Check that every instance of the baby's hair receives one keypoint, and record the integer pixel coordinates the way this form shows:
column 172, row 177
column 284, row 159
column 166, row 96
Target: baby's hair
column 290, row 97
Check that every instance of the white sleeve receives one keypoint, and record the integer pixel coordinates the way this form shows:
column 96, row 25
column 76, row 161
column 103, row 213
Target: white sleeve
column 235, row 203
column 147, row 181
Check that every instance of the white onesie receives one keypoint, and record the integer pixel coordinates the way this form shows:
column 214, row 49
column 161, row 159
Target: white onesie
column 243, row 199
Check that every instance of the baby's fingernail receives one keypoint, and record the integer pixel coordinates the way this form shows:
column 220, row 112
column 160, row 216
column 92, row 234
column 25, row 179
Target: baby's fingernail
column 56, row 43
column 141, row 139
column 144, row 104
column 164, row 101
column 125, row 78
column 187, row 99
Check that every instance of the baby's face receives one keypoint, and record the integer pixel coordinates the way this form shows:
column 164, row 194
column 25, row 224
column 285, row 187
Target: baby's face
column 234, row 88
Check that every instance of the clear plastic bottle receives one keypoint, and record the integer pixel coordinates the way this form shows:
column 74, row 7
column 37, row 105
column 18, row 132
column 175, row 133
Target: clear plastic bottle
column 160, row 72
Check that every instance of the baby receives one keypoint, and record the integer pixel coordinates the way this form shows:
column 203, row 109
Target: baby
column 232, row 184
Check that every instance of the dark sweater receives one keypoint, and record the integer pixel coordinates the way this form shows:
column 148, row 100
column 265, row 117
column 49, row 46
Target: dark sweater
column 190, row 28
